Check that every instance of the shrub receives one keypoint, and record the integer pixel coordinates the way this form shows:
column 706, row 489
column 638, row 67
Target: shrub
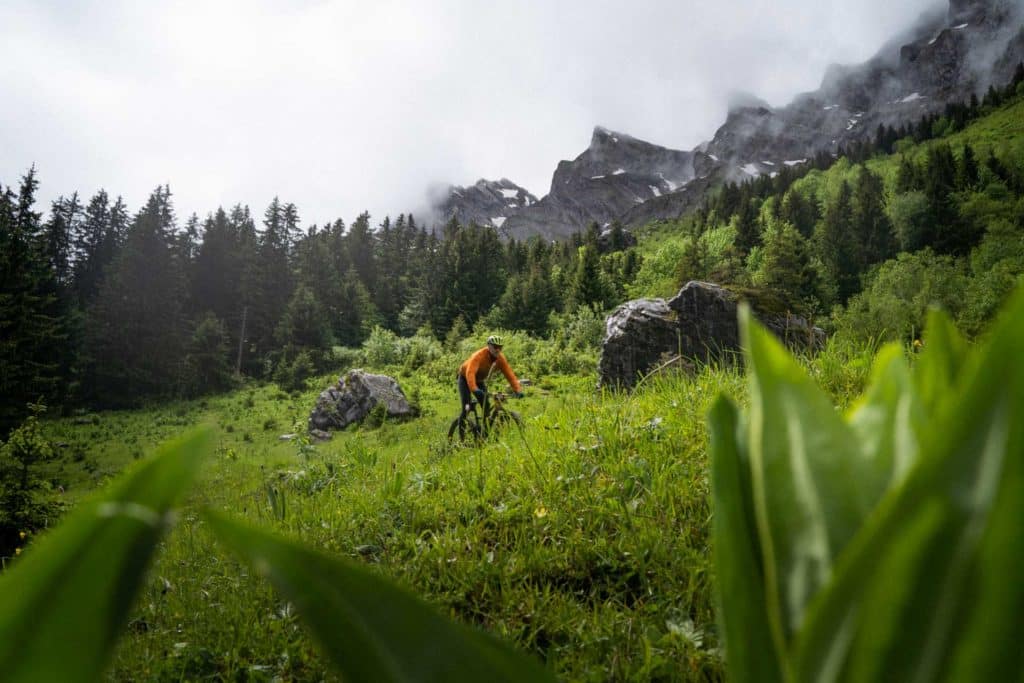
column 291, row 375
column 24, row 507
column 896, row 301
column 381, row 348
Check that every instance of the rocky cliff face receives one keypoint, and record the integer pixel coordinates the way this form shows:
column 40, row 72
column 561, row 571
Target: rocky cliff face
column 485, row 203
column 948, row 57
column 614, row 174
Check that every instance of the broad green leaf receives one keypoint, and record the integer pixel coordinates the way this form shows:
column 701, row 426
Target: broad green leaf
column 887, row 421
column 371, row 629
column 805, row 473
column 66, row 601
column 990, row 642
column 914, row 581
column 739, row 574
column 941, row 360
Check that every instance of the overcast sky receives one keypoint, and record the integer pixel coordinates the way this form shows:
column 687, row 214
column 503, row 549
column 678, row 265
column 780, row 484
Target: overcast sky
column 341, row 106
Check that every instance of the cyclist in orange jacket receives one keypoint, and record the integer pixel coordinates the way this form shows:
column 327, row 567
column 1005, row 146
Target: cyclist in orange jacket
column 473, row 373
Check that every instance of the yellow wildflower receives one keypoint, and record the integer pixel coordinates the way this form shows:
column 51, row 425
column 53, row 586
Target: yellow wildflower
column 17, row 551
column 21, row 535
column 541, row 511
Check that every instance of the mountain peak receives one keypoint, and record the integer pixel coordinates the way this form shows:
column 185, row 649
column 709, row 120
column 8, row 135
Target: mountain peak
column 604, row 136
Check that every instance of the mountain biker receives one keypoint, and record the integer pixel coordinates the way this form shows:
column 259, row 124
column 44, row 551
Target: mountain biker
column 473, row 373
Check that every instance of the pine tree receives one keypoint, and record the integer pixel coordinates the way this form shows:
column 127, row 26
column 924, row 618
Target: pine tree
column 907, row 176
column 305, row 324
column 588, row 287
column 786, row 267
column 799, row 212
column 135, row 329
column 949, row 234
column 748, row 232
column 967, row 170
column 837, row 247
column 59, row 234
column 94, row 248
column 29, row 333
column 360, row 246
column 871, row 224
column 208, row 365
column 273, row 278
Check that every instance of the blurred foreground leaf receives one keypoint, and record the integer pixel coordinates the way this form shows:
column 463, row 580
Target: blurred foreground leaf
column 926, row 578
column 738, row 564
column 371, row 629
column 888, row 544
column 66, row 601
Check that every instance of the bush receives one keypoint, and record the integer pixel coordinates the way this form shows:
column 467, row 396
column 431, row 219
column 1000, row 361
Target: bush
column 894, row 304
column 291, row 375
column 381, row 348
column 347, row 358
column 579, row 330
column 24, row 507
column 418, row 350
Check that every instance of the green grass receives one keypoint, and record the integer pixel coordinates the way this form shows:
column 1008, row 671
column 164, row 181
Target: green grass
column 584, row 540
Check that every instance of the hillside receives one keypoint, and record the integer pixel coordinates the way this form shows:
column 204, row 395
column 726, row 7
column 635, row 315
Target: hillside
column 807, row 235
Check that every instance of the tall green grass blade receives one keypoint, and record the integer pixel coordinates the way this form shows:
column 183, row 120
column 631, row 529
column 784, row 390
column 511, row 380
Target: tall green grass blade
column 371, row 629
column 906, row 595
column 739, row 573
column 66, row 601
column 887, row 422
column 806, row 472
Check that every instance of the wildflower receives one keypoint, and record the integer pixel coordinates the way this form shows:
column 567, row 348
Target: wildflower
column 541, row 511
column 17, row 551
column 917, row 344
column 21, row 535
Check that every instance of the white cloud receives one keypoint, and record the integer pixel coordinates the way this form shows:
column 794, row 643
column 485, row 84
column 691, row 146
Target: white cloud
column 345, row 106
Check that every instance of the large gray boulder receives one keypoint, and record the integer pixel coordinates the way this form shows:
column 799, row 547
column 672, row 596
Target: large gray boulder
column 356, row 394
column 699, row 323
column 636, row 336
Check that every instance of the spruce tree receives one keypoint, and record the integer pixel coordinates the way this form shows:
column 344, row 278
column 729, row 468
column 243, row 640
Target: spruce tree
column 799, row 212
column 748, row 232
column 94, row 248
column 949, row 234
column 135, row 329
column 208, row 362
column 31, row 337
column 786, row 268
column 967, row 170
column 871, row 224
column 588, row 287
column 837, row 247
column 273, row 278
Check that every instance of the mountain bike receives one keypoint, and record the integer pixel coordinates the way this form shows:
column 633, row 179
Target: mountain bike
column 473, row 426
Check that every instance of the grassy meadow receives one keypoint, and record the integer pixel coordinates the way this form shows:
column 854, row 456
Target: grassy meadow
column 583, row 539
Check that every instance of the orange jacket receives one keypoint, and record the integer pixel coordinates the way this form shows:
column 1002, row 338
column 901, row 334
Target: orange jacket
column 478, row 366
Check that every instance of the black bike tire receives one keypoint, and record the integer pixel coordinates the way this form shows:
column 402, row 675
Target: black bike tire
column 467, row 430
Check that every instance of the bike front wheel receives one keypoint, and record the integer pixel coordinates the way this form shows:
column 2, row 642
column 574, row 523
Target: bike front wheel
column 463, row 430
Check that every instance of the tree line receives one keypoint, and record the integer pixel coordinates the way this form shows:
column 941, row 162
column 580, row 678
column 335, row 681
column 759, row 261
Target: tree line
column 105, row 308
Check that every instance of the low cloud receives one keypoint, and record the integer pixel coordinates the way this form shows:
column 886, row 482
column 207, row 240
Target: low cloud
column 342, row 107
